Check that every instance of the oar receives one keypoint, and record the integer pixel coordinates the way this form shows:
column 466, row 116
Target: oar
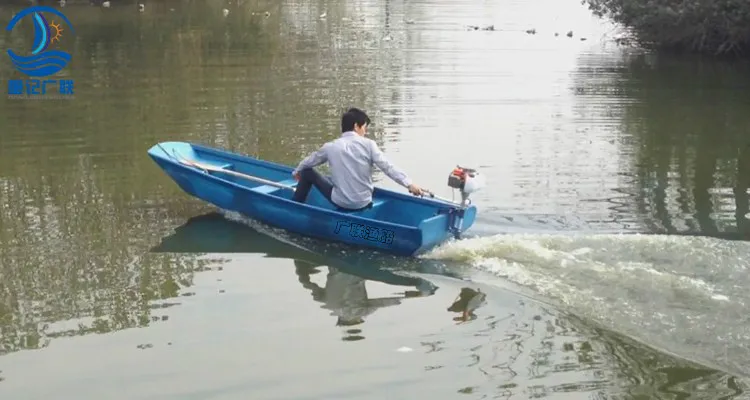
column 234, row 173
column 239, row 174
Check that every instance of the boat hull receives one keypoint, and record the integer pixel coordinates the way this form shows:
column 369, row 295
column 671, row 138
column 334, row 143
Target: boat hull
column 397, row 223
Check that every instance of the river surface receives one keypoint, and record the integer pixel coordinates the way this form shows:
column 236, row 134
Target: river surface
column 612, row 240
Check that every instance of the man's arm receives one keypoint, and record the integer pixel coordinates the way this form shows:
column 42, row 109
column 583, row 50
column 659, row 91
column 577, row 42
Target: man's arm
column 313, row 160
column 378, row 158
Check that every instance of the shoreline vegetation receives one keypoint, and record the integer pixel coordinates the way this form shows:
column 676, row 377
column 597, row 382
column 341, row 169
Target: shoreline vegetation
column 719, row 28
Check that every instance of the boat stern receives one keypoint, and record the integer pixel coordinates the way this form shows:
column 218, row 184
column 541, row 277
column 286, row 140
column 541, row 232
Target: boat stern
column 438, row 229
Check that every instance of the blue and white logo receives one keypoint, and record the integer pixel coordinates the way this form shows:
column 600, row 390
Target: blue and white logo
column 43, row 61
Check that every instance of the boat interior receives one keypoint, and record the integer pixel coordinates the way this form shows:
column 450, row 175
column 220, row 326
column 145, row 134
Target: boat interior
column 385, row 207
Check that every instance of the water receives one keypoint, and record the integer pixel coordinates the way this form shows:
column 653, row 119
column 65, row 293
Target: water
column 611, row 241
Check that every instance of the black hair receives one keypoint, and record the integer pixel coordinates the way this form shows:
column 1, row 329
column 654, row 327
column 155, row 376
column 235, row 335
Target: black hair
column 352, row 116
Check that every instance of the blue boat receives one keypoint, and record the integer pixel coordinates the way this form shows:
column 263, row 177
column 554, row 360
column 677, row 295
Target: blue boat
column 397, row 223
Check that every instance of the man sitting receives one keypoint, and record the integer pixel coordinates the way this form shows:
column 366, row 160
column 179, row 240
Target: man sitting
column 351, row 157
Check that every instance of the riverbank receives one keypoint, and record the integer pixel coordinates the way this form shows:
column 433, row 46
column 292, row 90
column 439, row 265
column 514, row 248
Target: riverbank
column 717, row 28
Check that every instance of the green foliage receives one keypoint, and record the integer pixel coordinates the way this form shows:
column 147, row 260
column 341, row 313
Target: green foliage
column 719, row 27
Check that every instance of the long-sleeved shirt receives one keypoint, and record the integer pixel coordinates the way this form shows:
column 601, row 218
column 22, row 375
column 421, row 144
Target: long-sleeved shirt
column 351, row 158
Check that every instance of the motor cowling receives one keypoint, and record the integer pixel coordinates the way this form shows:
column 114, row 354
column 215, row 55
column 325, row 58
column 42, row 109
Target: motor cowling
column 466, row 180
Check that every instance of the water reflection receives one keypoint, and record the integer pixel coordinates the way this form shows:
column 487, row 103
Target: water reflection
column 344, row 292
column 246, row 82
column 467, row 301
column 686, row 125
column 347, row 298
column 636, row 371
column 535, row 353
column 68, row 269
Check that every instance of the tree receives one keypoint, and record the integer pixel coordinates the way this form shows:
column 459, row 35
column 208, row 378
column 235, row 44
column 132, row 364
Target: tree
column 717, row 27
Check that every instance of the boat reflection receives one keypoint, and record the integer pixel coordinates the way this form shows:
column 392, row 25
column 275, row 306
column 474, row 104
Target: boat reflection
column 344, row 292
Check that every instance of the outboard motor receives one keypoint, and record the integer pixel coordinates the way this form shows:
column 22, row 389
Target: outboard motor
column 467, row 181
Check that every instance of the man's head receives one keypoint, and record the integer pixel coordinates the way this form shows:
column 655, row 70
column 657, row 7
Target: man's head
column 355, row 120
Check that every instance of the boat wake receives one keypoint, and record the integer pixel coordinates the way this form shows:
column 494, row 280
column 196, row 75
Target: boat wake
column 685, row 295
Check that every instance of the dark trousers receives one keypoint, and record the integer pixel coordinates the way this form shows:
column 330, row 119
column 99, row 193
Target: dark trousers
column 308, row 178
